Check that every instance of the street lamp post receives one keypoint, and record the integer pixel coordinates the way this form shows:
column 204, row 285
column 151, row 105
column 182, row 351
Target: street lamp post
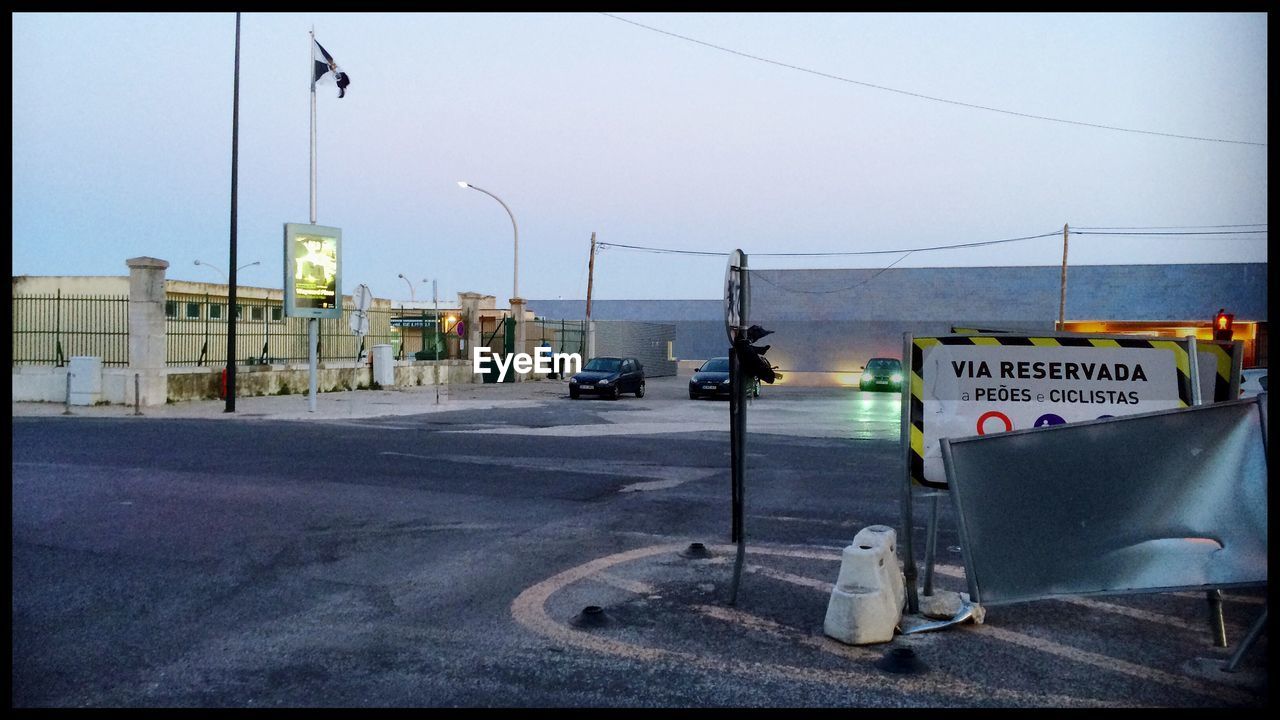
column 412, row 298
column 224, row 274
column 515, row 273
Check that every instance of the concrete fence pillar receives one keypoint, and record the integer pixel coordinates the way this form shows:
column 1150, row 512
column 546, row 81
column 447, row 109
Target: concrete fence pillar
column 471, row 320
column 517, row 314
column 147, row 334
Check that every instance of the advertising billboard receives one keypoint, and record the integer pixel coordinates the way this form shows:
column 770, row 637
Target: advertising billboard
column 312, row 271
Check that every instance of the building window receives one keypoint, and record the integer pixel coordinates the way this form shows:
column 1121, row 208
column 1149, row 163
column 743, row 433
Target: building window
column 171, row 309
column 277, row 314
column 257, row 313
column 193, row 311
column 239, row 312
column 215, row 311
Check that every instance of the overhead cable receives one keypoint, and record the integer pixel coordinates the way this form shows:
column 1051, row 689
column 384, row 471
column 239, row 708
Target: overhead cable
column 929, row 97
column 757, row 274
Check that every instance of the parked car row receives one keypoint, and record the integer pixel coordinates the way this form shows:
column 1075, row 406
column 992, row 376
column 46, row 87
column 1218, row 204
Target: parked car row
column 610, row 377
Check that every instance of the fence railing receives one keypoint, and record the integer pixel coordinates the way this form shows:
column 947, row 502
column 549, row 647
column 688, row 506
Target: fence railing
column 50, row 328
column 564, row 336
column 196, row 326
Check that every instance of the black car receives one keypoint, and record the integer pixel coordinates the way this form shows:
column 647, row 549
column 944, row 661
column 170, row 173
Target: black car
column 608, row 377
column 882, row 374
column 712, row 380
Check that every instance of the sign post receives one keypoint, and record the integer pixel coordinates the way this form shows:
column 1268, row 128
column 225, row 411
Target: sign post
column 737, row 312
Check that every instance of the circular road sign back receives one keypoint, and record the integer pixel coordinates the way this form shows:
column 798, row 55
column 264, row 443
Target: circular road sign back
column 734, row 295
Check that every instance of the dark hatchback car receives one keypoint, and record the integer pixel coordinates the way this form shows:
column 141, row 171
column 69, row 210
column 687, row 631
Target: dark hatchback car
column 608, row 377
column 712, row 380
column 882, row 374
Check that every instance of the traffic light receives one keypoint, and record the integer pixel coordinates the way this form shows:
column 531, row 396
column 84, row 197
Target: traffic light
column 751, row 357
column 1222, row 326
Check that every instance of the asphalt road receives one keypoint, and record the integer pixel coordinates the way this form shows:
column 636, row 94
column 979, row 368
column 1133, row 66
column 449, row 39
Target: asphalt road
column 444, row 559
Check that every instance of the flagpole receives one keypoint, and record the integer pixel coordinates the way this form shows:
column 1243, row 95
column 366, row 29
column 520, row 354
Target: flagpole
column 313, row 325
column 311, row 54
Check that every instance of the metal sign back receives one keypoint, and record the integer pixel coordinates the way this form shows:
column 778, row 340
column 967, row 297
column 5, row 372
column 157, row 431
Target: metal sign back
column 736, row 295
column 1173, row 499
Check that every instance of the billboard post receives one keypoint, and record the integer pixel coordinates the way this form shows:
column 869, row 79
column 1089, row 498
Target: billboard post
column 312, row 284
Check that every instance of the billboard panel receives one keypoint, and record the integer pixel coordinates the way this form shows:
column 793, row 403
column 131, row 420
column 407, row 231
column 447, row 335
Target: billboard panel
column 312, row 271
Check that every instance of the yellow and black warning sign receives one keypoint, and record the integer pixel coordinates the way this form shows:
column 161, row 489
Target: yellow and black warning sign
column 965, row 385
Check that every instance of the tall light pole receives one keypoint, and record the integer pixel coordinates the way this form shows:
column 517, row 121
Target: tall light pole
column 515, row 273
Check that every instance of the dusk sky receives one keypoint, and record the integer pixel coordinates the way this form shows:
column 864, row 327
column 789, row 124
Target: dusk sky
column 584, row 123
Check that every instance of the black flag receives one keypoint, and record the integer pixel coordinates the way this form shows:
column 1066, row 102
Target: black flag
column 323, row 64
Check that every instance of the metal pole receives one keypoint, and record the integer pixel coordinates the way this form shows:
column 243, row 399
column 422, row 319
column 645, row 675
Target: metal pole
column 931, row 544
column 591, row 274
column 231, row 275
column 1252, row 636
column 66, row 410
column 311, row 53
column 515, row 273
column 1217, row 624
column 313, row 331
column 137, row 395
column 1062, row 299
column 435, row 341
column 905, row 539
column 738, row 432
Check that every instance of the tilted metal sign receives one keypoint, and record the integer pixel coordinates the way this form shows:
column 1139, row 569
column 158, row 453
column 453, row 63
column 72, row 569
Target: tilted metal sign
column 963, row 385
column 312, row 271
column 362, row 297
column 1174, row 499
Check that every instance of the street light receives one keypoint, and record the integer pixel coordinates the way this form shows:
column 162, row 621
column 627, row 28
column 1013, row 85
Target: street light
column 412, row 298
column 224, row 275
column 515, row 273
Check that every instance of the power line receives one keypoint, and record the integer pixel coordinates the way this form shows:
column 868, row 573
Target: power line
column 642, row 248
column 1217, row 232
column 929, row 97
column 755, row 273
column 1169, row 227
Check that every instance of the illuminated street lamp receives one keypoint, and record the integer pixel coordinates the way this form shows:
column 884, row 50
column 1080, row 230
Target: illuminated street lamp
column 515, row 273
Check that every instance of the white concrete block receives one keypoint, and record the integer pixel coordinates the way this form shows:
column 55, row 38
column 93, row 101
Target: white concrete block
column 866, row 602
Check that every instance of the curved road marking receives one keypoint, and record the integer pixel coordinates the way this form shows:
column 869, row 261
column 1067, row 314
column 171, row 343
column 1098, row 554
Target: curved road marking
column 529, row 610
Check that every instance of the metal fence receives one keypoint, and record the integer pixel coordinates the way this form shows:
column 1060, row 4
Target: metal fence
column 564, row 336
column 196, row 326
column 50, row 328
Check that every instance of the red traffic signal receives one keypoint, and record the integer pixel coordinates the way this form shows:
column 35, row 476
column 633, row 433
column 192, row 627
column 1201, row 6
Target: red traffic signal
column 1222, row 325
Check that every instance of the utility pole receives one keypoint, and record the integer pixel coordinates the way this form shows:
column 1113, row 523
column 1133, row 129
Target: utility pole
column 1062, row 299
column 591, row 274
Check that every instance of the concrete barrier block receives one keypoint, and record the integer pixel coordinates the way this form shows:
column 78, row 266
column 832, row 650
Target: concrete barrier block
column 866, row 602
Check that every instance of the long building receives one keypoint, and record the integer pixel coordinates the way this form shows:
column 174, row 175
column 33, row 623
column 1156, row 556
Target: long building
column 831, row 321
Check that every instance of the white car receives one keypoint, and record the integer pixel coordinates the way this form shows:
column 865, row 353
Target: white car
column 1252, row 382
